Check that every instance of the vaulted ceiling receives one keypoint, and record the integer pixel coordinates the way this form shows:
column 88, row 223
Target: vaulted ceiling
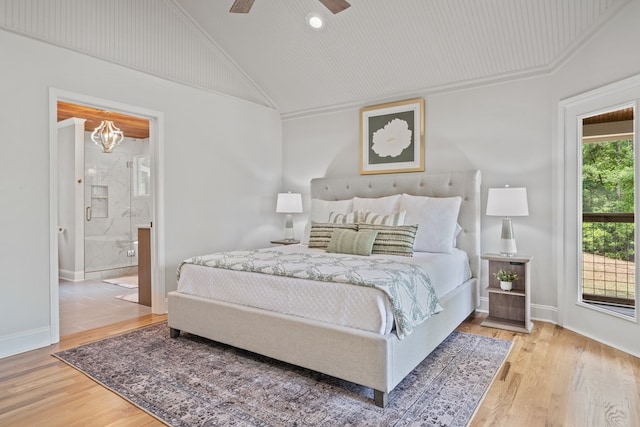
column 378, row 49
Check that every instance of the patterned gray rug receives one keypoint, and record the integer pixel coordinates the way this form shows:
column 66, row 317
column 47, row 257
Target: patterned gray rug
column 191, row 381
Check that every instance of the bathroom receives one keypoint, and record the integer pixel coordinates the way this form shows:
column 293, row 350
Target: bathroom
column 103, row 197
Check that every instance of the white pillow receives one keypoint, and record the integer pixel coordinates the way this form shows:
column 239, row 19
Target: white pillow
column 375, row 218
column 437, row 219
column 320, row 210
column 382, row 205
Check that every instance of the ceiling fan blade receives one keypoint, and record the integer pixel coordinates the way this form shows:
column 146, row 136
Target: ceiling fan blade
column 335, row 6
column 241, row 6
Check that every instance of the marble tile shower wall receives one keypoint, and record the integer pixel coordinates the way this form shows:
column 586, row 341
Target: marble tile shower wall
column 119, row 200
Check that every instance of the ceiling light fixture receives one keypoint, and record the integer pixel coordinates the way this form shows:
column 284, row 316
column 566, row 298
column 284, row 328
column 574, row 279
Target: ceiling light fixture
column 315, row 21
column 107, row 136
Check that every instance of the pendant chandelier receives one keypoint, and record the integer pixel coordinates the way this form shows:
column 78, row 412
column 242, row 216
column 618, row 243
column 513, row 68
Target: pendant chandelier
column 107, row 136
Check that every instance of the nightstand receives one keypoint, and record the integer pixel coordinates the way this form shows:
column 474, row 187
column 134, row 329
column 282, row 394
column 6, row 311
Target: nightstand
column 509, row 309
column 285, row 242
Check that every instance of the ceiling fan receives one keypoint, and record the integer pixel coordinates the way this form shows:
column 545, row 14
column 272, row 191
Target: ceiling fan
column 244, row 6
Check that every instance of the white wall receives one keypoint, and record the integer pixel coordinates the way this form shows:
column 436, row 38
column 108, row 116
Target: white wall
column 506, row 130
column 223, row 165
column 472, row 129
column 611, row 57
column 231, row 157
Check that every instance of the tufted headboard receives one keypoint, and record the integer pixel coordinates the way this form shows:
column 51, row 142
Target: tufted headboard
column 465, row 184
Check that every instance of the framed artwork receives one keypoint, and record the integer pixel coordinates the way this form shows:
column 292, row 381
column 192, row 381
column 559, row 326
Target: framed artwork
column 392, row 137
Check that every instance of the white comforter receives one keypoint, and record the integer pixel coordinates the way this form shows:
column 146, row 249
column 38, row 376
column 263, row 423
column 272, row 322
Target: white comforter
column 338, row 303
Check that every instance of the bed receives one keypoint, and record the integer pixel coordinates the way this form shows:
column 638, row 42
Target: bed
column 377, row 357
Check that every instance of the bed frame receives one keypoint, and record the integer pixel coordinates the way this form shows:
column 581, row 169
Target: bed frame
column 369, row 359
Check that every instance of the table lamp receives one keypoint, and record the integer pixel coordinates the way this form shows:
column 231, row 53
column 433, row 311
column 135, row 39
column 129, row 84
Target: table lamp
column 507, row 202
column 289, row 203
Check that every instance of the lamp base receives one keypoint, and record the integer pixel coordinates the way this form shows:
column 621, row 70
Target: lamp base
column 288, row 228
column 507, row 239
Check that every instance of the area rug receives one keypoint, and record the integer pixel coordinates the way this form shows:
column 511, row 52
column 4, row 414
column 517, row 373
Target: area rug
column 191, row 381
column 130, row 282
column 128, row 297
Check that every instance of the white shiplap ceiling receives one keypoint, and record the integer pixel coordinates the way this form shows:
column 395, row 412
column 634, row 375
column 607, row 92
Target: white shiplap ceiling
column 380, row 49
column 376, row 50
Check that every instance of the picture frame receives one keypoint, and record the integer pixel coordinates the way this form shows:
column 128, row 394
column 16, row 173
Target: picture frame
column 392, row 137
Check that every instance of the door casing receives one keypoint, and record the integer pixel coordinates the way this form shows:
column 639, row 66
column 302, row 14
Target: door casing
column 156, row 141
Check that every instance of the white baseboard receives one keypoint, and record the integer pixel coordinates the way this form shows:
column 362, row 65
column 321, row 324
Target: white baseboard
column 544, row 313
column 606, row 342
column 111, row 273
column 72, row 276
column 24, row 341
column 78, row 276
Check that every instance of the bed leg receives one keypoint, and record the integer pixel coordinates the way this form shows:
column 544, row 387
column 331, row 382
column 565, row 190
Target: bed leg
column 174, row 333
column 380, row 398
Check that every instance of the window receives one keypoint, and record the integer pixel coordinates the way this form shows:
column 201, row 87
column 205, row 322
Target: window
column 608, row 211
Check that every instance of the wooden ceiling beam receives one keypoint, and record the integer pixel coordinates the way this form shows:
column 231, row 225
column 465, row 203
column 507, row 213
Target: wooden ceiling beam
column 132, row 127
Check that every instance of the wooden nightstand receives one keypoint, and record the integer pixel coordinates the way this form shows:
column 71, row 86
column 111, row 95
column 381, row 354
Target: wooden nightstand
column 285, row 242
column 509, row 309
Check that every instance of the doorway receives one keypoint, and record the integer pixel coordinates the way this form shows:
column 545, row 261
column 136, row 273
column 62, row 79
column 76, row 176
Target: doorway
column 103, row 197
column 136, row 177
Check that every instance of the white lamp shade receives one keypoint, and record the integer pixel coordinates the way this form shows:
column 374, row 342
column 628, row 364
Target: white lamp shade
column 507, row 202
column 289, row 203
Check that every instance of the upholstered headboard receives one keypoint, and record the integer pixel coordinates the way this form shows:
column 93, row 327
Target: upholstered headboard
column 465, row 184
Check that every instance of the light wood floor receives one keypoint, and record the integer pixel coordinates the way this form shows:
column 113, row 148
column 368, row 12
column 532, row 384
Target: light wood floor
column 92, row 303
column 552, row 377
column 555, row 377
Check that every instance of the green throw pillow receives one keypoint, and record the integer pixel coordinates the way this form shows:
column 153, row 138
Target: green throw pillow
column 392, row 240
column 321, row 233
column 345, row 241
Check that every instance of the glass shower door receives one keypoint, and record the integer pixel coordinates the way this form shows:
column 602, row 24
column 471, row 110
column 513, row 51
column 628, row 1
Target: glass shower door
column 109, row 232
column 117, row 201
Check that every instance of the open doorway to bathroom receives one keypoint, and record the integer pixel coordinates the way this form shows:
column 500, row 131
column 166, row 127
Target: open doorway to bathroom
column 104, row 198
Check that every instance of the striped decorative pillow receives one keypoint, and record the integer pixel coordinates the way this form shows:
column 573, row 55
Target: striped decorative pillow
column 392, row 240
column 321, row 232
column 352, row 242
column 340, row 218
column 368, row 217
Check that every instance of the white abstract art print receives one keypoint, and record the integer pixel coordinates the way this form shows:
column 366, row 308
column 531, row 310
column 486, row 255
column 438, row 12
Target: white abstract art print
column 392, row 137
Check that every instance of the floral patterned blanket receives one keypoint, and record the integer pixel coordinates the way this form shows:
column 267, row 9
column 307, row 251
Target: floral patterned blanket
column 407, row 286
